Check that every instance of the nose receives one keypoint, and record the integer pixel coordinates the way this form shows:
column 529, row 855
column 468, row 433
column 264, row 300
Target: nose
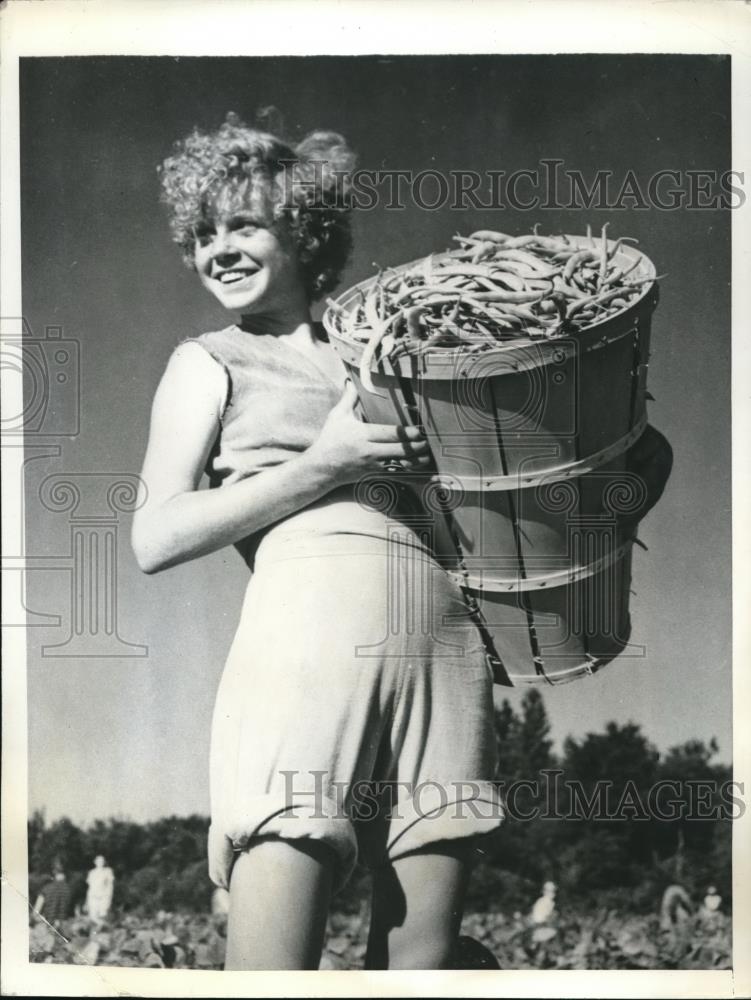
column 222, row 247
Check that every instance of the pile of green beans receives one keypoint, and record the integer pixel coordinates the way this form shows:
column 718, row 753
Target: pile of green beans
column 492, row 289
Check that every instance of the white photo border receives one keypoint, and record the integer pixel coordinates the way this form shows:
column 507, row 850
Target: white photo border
column 306, row 27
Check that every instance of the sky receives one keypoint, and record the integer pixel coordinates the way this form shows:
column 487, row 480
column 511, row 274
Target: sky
column 128, row 735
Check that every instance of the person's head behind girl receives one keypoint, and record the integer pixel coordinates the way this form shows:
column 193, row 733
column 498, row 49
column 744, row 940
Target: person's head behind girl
column 266, row 226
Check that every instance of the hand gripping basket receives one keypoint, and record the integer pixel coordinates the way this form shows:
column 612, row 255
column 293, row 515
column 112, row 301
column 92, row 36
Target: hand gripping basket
column 543, row 469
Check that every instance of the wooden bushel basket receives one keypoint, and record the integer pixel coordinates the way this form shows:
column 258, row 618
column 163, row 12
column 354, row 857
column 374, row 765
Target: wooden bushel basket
column 534, row 502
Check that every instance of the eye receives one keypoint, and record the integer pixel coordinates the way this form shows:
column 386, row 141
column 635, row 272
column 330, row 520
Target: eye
column 204, row 234
column 245, row 225
column 246, row 229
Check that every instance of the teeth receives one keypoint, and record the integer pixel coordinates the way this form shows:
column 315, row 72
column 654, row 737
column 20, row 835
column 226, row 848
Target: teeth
column 229, row 277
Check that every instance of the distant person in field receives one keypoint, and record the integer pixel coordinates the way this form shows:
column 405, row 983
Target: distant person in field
column 709, row 911
column 712, row 900
column 544, row 907
column 101, row 883
column 54, row 901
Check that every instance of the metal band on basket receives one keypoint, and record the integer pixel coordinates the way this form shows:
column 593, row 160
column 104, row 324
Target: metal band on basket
column 469, row 484
column 564, row 578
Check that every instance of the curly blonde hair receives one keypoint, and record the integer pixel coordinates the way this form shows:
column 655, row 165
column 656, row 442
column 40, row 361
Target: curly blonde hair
column 239, row 167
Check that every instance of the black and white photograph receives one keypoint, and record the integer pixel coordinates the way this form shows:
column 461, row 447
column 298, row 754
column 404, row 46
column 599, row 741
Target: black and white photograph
column 372, row 420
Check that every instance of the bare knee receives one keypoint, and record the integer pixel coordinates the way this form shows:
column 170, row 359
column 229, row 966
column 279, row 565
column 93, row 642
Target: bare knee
column 274, row 859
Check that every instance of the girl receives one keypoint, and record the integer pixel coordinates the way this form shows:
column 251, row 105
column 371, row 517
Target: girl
column 343, row 679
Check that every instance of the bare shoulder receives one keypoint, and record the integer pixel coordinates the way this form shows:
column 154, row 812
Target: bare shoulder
column 192, row 373
column 191, row 357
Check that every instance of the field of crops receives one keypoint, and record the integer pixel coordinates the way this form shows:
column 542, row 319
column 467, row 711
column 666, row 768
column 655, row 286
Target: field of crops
column 604, row 940
column 613, row 878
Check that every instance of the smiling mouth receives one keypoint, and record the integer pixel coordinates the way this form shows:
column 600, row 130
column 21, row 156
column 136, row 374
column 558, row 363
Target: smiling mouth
column 235, row 276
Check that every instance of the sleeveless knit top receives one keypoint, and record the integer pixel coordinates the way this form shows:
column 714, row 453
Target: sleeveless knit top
column 277, row 402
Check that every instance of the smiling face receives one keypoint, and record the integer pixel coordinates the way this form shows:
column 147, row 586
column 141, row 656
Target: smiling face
column 247, row 259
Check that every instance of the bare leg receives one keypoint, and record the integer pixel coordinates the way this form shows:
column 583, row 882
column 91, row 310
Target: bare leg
column 279, row 900
column 417, row 908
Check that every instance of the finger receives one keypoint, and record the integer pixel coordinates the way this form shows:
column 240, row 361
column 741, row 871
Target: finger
column 386, row 433
column 412, row 450
column 349, row 398
column 400, row 451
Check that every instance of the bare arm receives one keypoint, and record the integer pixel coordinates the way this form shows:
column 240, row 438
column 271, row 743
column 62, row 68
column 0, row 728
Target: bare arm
column 178, row 522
